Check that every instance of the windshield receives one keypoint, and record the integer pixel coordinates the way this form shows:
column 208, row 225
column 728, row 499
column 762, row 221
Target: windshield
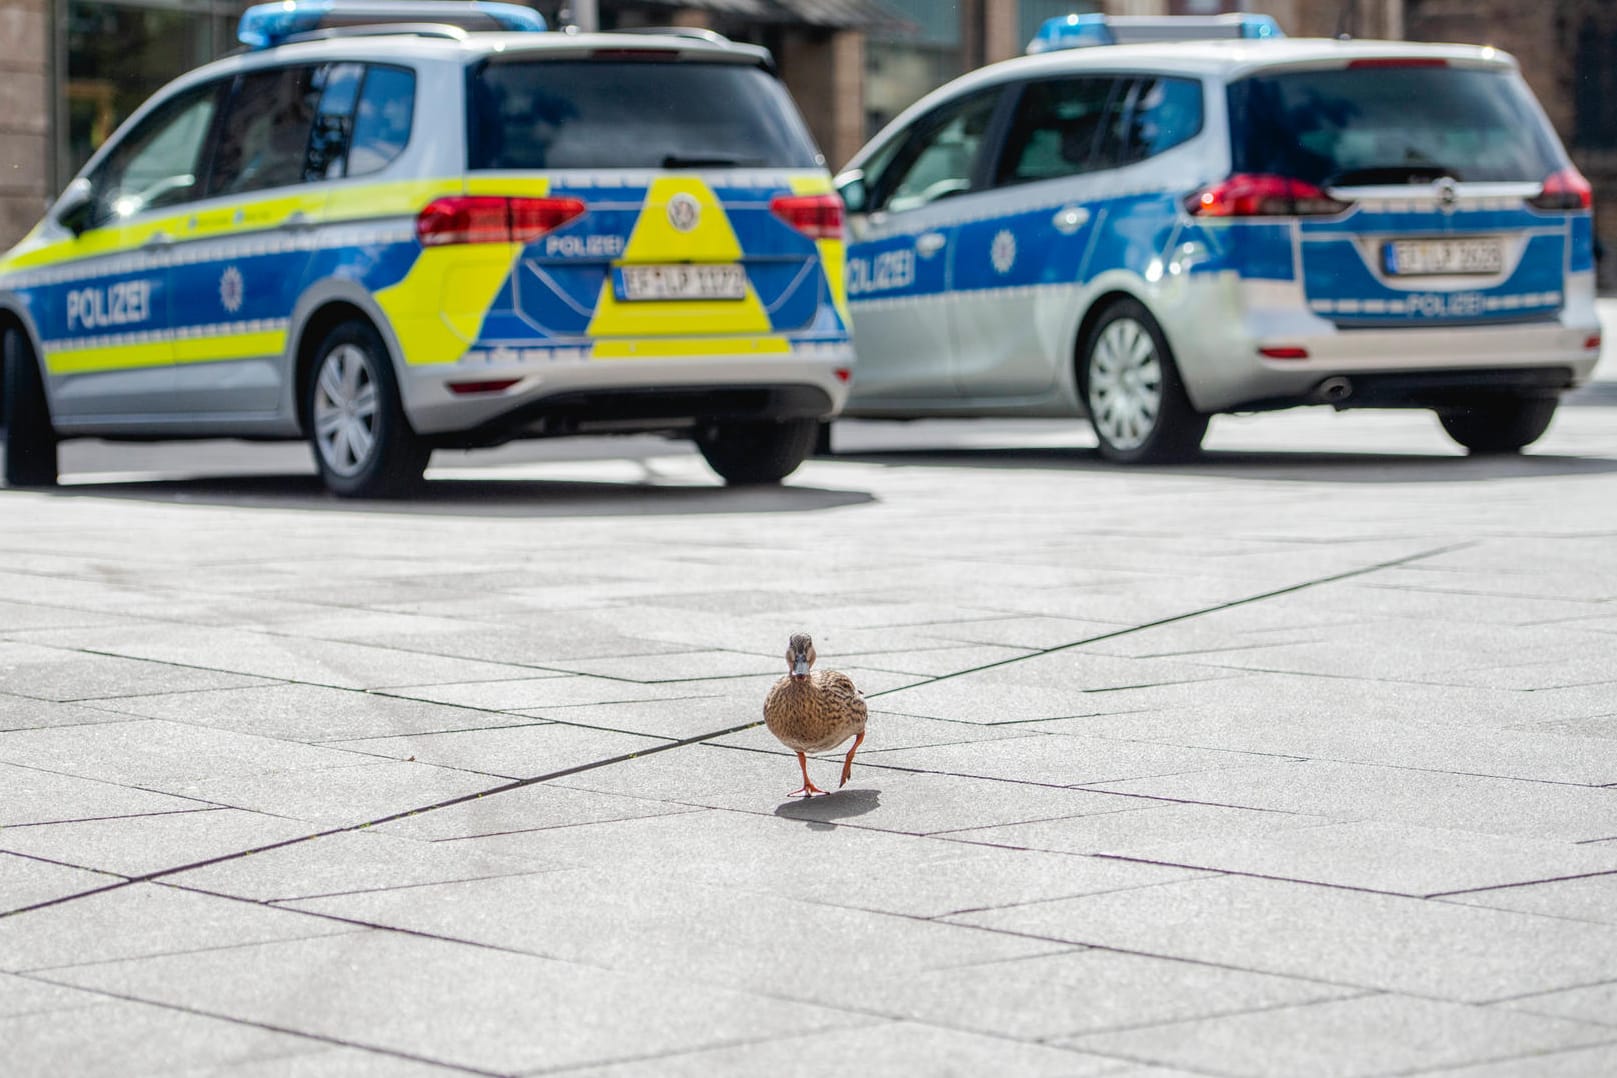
column 1390, row 124
column 558, row 114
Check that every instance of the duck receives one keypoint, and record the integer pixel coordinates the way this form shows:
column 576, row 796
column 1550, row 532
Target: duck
column 814, row 712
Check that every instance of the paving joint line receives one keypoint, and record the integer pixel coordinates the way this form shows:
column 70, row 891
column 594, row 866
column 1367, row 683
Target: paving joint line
column 700, row 738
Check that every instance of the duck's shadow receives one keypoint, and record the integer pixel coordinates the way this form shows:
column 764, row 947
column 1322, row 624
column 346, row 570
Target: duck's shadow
column 821, row 813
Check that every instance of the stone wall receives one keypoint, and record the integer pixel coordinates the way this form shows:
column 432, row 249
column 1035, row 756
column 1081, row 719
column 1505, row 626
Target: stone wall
column 24, row 129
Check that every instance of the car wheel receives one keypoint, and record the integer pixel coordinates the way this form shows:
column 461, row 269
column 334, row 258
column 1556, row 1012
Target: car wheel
column 1136, row 401
column 1502, row 425
column 363, row 445
column 761, row 452
column 30, row 438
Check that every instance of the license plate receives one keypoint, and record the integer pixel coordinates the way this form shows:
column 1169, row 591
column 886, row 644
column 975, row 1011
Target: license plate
column 1432, row 258
column 677, row 282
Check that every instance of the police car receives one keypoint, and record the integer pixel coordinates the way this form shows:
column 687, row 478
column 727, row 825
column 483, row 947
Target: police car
column 1148, row 234
column 391, row 238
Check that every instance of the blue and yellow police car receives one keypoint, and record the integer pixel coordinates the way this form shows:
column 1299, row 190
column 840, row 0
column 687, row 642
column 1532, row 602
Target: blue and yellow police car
column 452, row 231
column 1151, row 233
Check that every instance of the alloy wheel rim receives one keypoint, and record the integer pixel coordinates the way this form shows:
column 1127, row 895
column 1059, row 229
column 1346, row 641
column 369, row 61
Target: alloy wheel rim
column 1125, row 384
column 345, row 412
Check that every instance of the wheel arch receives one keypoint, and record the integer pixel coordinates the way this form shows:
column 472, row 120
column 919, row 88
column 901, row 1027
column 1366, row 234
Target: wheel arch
column 1103, row 301
column 317, row 316
column 14, row 319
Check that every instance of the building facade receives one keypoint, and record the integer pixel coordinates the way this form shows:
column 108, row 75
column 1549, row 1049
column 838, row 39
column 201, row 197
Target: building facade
column 71, row 70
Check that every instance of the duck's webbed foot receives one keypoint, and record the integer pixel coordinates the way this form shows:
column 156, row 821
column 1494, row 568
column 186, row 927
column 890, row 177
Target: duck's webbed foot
column 808, row 788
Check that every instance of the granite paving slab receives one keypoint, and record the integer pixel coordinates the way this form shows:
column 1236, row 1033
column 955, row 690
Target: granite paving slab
column 919, row 877
column 1351, row 1038
column 1593, row 898
column 27, row 713
column 538, row 690
column 1057, row 759
column 323, row 1062
column 1392, row 858
column 1136, row 825
column 675, row 717
column 538, row 807
column 353, row 861
column 27, row 881
column 1595, row 1004
column 17, row 618
column 1395, row 944
column 30, row 796
column 343, row 796
column 673, row 667
column 655, row 926
column 67, row 675
column 163, row 755
column 1045, row 997
column 1031, row 632
column 25, row 995
column 143, row 920
column 123, row 1038
column 516, row 752
column 308, row 713
column 876, row 1050
column 439, row 1001
column 1596, row 1062
column 1398, row 795
column 889, row 730
column 137, row 845
column 886, row 800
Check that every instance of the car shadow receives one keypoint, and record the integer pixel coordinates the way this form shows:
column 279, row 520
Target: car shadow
column 1268, row 465
column 469, row 497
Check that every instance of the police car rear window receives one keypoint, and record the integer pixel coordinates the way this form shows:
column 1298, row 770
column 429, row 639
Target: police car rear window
column 1389, row 124
column 596, row 114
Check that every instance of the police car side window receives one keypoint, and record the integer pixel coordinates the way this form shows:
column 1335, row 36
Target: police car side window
column 1166, row 112
column 264, row 141
column 383, row 120
column 334, row 120
column 937, row 159
column 158, row 162
column 1062, row 127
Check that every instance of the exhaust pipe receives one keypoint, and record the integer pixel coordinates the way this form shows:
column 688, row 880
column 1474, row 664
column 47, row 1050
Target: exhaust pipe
column 1333, row 391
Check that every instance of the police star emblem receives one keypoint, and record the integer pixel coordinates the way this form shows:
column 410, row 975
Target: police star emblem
column 1003, row 252
column 230, row 289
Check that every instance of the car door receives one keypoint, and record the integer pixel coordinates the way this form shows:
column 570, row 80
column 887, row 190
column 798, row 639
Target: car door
column 105, row 310
column 1015, row 264
column 241, row 254
column 904, row 213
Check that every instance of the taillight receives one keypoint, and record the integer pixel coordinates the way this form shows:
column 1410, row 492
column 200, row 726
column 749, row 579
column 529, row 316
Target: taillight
column 492, row 219
column 1564, row 190
column 1253, row 195
column 818, row 217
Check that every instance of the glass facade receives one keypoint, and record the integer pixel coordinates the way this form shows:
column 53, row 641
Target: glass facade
column 114, row 55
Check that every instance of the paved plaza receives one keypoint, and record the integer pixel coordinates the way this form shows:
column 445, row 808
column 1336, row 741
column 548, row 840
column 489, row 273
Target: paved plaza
column 1297, row 761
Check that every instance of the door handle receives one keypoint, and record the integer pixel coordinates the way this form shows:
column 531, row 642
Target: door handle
column 928, row 244
column 298, row 221
column 157, row 241
column 1070, row 219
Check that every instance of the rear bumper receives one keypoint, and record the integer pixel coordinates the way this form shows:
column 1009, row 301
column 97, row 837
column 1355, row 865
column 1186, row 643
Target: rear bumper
column 1220, row 324
column 610, row 396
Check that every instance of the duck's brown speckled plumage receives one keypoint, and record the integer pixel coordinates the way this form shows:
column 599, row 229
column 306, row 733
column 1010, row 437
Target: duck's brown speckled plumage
column 814, row 712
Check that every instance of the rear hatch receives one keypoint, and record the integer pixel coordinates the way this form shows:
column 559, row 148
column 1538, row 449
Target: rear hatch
column 675, row 206
column 1428, row 190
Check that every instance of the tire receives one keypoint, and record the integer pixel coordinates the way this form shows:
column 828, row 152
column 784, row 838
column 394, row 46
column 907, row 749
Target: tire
column 30, row 438
column 747, row 454
column 1132, row 390
column 1499, row 425
column 362, row 442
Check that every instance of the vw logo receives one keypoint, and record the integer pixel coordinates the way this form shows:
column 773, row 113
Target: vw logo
column 683, row 212
column 1448, row 195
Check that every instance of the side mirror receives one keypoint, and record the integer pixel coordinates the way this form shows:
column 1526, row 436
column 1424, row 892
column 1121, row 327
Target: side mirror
column 73, row 209
column 851, row 186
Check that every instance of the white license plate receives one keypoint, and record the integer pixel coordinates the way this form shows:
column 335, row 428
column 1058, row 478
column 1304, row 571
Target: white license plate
column 1432, row 258
column 681, row 282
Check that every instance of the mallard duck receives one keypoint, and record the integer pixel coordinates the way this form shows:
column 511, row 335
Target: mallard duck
column 814, row 712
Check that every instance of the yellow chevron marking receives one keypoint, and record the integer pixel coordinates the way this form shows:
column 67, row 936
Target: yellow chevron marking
column 437, row 311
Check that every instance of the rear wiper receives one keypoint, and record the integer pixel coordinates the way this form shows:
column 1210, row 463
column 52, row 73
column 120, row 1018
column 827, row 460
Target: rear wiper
column 675, row 160
column 1390, row 174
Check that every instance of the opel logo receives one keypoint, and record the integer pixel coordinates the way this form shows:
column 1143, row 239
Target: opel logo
column 1448, row 195
column 683, row 212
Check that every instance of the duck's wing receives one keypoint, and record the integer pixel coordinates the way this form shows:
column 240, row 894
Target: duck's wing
column 840, row 687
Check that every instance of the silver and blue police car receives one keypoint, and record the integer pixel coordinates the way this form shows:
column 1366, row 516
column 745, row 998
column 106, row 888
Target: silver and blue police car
column 456, row 232
column 1149, row 234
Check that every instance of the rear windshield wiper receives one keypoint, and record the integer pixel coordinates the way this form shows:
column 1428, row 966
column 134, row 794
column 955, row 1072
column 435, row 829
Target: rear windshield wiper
column 1390, row 174
column 675, row 160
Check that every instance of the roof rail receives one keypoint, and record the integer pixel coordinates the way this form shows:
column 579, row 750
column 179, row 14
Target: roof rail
column 1083, row 31
column 266, row 25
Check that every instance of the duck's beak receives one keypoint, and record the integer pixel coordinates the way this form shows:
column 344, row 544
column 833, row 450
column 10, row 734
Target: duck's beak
column 800, row 667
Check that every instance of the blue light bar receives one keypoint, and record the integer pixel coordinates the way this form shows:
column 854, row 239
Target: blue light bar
column 1086, row 31
column 264, row 26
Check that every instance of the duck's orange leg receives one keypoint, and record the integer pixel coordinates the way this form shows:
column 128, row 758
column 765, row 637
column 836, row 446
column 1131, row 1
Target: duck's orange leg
column 809, row 789
column 847, row 765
